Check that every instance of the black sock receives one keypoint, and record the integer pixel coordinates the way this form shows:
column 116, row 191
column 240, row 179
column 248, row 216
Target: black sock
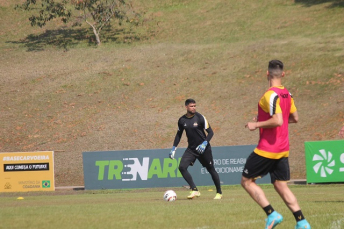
column 268, row 209
column 298, row 216
column 194, row 189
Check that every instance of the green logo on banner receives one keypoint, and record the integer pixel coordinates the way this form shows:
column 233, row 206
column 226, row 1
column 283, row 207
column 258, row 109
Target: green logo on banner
column 46, row 184
column 129, row 169
column 325, row 161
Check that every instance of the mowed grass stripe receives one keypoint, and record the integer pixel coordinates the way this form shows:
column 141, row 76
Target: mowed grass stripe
column 145, row 208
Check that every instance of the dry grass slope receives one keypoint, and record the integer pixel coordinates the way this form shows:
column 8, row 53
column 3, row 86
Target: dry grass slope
column 75, row 97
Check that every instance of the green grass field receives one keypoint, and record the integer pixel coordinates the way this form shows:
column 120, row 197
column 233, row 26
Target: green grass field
column 62, row 93
column 322, row 205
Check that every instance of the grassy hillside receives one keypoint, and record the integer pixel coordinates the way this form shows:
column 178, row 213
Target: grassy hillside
column 70, row 96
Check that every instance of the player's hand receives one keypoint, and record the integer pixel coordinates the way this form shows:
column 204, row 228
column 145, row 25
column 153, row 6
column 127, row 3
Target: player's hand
column 173, row 151
column 251, row 125
column 200, row 149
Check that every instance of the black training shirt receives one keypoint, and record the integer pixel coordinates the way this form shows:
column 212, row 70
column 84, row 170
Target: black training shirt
column 194, row 128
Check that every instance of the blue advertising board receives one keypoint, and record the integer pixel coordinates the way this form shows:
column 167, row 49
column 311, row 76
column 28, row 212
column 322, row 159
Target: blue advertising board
column 152, row 168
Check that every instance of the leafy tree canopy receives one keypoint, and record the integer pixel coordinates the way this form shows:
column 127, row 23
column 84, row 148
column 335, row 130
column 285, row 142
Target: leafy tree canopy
column 96, row 13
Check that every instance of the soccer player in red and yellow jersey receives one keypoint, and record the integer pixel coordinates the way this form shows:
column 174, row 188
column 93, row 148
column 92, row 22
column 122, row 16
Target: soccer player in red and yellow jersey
column 276, row 109
column 341, row 132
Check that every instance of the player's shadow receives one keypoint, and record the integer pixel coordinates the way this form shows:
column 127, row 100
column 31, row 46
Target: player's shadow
column 309, row 3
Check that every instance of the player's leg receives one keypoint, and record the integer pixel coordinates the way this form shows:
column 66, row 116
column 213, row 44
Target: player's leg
column 280, row 176
column 254, row 191
column 257, row 167
column 188, row 159
column 206, row 159
column 287, row 195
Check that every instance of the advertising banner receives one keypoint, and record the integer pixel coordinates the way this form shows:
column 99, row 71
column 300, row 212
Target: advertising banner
column 325, row 161
column 153, row 168
column 27, row 171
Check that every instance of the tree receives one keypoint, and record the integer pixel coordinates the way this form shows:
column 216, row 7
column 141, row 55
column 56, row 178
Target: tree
column 96, row 13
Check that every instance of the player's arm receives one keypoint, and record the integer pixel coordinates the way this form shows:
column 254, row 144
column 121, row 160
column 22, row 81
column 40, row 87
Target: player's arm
column 207, row 128
column 177, row 137
column 210, row 134
column 275, row 121
column 200, row 149
column 176, row 141
column 270, row 104
column 294, row 116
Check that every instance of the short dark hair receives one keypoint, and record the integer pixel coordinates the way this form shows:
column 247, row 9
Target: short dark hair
column 275, row 68
column 275, row 64
column 188, row 101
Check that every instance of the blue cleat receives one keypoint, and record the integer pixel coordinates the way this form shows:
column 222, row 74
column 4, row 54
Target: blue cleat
column 303, row 224
column 273, row 220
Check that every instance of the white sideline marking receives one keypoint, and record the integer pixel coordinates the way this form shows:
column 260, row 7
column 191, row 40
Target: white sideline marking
column 337, row 224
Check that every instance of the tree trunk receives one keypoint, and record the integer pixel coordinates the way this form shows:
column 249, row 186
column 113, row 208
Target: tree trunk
column 96, row 34
column 97, row 37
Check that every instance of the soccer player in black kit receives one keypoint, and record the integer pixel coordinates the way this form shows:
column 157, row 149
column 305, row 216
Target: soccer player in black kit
column 199, row 148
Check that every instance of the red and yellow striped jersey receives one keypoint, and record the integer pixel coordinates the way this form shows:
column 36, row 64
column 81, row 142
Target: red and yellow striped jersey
column 274, row 142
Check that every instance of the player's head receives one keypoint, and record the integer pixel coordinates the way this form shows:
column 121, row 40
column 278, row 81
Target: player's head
column 275, row 69
column 188, row 101
column 190, row 105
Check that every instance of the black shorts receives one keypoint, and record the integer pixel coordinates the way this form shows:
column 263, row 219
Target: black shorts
column 206, row 158
column 257, row 166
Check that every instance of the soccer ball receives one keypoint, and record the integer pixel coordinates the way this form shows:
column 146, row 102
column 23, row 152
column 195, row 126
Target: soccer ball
column 170, row 195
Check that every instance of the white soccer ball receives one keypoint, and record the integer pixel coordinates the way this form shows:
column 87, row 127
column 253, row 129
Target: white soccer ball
column 170, row 195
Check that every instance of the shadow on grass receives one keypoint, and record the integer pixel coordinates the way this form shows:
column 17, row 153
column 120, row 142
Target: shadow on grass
column 68, row 38
column 123, row 35
column 309, row 3
column 59, row 38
